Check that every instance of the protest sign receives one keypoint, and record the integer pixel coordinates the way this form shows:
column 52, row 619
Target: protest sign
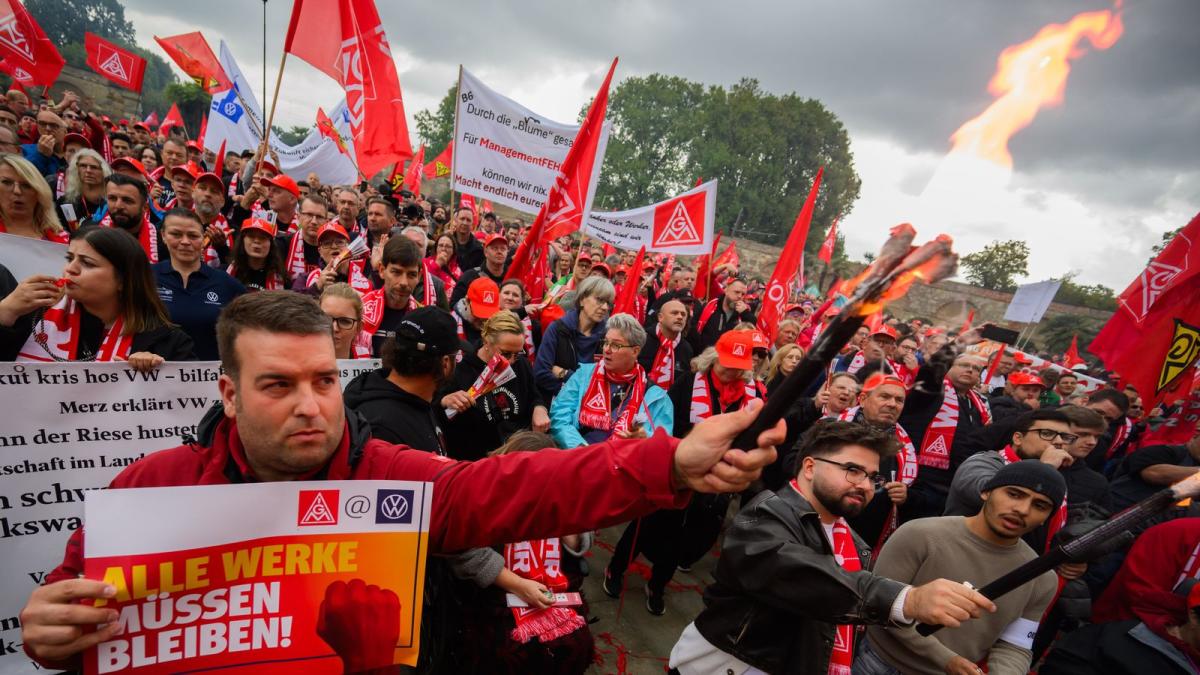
column 507, row 153
column 70, row 428
column 25, row 257
column 329, row 580
column 682, row 225
column 1033, row 364
column 235, row 118
column 1030, row 301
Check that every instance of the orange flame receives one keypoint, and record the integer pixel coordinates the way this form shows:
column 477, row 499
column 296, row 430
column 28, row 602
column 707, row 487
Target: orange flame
column 929, row 263
column 1031, row 75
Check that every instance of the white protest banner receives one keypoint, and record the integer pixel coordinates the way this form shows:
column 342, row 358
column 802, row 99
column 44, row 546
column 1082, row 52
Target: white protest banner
column 208, row 579
column 1033, row 364
column 70, row 428
column 1030, row 301
column 25, row 257
column 235, row 118
column 507, row 153
column 682, row 225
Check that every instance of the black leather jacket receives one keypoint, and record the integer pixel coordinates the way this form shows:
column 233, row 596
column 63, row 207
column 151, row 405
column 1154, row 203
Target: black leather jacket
column 779, row 594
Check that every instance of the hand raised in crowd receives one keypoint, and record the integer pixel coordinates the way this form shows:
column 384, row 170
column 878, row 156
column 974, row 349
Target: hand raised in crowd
column 53, row 621
column 705, row 460
column 144, row 361
column 896, row 491
column 215, row 236
column 377, row 252
column 327, row 276
column 945, row 603
column 45, row 145
column 156, row 191
column 961, row 666
column 33, row 293
column 458, row 400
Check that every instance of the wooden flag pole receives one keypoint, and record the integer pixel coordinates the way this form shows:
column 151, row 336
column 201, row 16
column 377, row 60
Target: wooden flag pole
column 454, row 157
column 275, row 100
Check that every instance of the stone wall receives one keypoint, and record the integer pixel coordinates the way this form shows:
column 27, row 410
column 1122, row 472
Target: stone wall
column 97, row 94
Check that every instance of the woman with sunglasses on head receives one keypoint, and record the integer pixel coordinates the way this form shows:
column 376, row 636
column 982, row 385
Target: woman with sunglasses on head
column 257, row 262
column 26, row 202
column 104, row 308
column 480, row 426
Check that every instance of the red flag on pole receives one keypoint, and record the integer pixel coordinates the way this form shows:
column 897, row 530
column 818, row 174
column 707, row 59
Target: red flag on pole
column 326, row 129
column 704, row 271
column 967, row 324
column 151, row 119
column 345, row 40
column 826, row 253
column 26, row 54
column 728, row 256
column 219, row 166
column 1071, row 358
column 488, row 206
column 993, row 365
column 412, row 175
column 440, row 166
column 466, row 201
column 203, row 129
column 1153, row 339
column 627, row 298
column 569, row 198
column 190, row 51
column 115, row 64
column 775, row 296
column 172, row 119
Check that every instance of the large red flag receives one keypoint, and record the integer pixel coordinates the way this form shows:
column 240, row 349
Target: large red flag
column 173, row 119
column 440, row 166
column 26, row 54
column 704, row 271
column 1072, row 358
column 775, row 296
column 627, row 297
column 114, row 63
column 344, row 39
column 728, row 256
column 569, row 198
column 412, row 175
column 1179, row 427
column 326, row 129
column 190, row 51
column 826, row 253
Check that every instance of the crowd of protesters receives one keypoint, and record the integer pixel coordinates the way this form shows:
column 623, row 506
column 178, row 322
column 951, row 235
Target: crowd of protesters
column 901, row 474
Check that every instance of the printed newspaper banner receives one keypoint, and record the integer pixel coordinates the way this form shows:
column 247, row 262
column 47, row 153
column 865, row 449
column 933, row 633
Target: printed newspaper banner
column 25, row 257
column 69, row 428
column 328, row 580
column 682, row 225
column 507, row 153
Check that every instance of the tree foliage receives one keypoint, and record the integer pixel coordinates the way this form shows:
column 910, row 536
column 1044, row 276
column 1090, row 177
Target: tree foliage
column 193, row 102
column 998, row 265
column 1096, row 296
column 437, row 128
column 1166, row 239
column 1055, row 333
column 292, row 135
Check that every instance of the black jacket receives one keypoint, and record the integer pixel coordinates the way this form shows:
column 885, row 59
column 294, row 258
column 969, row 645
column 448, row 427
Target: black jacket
column 1004, row 407
column 1118, row 648
column 683, row 358
column 717, row 324
column 464, row 282
column 779, row 594
column 495, row 416
column 395, row 415
column 169, row 342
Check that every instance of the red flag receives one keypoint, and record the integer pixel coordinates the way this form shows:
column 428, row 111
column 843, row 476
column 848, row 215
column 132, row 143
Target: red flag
column 172, row 119
column 115, row 64
column 668, row 266
column 466, row 201
column 325, row 128
column 203, row 129
column 563, row 210
column 488, row 206
column 704, row 271
column 219, row 166
column 395, row 177
column 345, row 40
column 607, row 249
column 440, row 166
column 1180, row 426
column 775, row 296
column 412, row 176
column 26, row 54
column 151, row 119
column 1072, row 358
column 699, row 180
column 728, row 256
column 834, row 288
column 826, row 253
column 1153, row 339
column 988, row 374
column 967, row 324
column 194, row 57
column 627, row 298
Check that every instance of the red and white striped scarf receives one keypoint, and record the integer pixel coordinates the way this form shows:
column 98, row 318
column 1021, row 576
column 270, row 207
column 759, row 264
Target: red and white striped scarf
column 1008, row 456
column 1122, row 433
column 1191, row 569
column 540, row 561
column 595, row 410
column 662, row 370
column 374, row 304
column 61, row 337
column 939, row 435
column 355, row 276
column 296, row 265
column 148, row 235
column 527, row 325
column 428, row 292
column 702, row 397
column 210, row 254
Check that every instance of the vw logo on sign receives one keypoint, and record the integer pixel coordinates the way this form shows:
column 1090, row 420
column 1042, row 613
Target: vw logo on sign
column 394, row 506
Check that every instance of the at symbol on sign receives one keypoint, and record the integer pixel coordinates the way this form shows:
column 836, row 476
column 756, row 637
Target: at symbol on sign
column 394, row 506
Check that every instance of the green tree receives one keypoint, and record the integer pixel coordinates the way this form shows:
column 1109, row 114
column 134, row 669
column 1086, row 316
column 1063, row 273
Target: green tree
column 998, row 265
column 1166, row 239
column 1055, row 333
column 437, row 128
column 1096, row 296
column 291, row 136
column 193, row 102
column 65, row 21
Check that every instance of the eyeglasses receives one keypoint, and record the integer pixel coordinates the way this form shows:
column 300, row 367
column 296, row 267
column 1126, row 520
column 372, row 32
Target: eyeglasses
column 615, row 346
column 855, row 474
column 334, row 244
column 509, row 356
column 10, row 185
column 1049, row 434
column 310, row 216
column 343, row 322
column 50, row 125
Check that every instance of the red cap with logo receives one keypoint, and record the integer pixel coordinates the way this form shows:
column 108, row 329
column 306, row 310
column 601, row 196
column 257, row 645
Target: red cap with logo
column 332, row 227
column 760, row 340
column 189, row 168
column 284, row 182
column 735, row 349
column 1020, row 378
column 886, row 331
column 483, row 295
column 262, row 225
column 878, row 379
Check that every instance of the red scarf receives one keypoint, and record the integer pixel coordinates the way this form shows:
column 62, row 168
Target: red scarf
column 706, row 314
column 296, row 265
column 846, row 555
column 374, row 304
column 727, row 395
column 527, row 324
column 540, row 561
column 429, row 295
column 662, row 371
column 61, row 337
column 355, row 276
column 939, row 436
column 1119, row 437
column 1008, row 456
column 595, row 411
column 210, row 254
column 148, row 236
column 60, row 237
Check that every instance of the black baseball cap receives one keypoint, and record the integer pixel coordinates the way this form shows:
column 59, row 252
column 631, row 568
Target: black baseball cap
column 429, row 330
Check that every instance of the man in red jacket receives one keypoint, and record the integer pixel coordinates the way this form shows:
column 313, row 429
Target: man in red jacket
column 284, row 420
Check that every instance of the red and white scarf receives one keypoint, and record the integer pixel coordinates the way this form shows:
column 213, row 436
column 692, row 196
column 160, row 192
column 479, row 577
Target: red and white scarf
column 527, row 325
column 60, row 237
column 939, row 436
column 428, row 292
column 61, row 336
column 541, row 561
column 595, row 410
column 296, row 265
column 374, row 304
column 1119, row 437
column 210, row 254
column 1191, row 569
column 702, row 398
column 706, row 314
column 60, row 184
column 273, row 282
column 1008, row 456
column 906, row 472
column 662, row 370
column 148, row 236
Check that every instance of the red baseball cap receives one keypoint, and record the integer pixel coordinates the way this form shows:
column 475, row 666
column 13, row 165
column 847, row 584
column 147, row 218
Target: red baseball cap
column 735, row 349
column 131, row 163
column 603, row 266
column 1020, row 378
column 332, row 227
column 760, row 340
column 550, row 314
column 264, row 226
column 494, row 239
column 142, row 126
column 483, row 295
column 284, row 182
column 190, row 169
column 268, row 164
column 208, row 175
column 879, row 379
column 195, row 145
column 885, row 330
column 75, row 138
column 584, row 254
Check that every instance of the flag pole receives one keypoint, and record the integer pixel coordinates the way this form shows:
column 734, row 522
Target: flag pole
column 275, row 99
column 454, row 157
column 264, row 55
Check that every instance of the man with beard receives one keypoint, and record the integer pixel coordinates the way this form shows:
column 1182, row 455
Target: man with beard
column 208, row 196
column 128, row 209
column 381, row 218
column 720, row 315
column 495, row 252
column 470, row 251
column 348, row 205
column 976, row 549
column 792, row 579
column 384, row 308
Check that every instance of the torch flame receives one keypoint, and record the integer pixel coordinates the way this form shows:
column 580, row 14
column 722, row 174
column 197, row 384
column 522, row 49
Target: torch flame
column 1031, row 75
column 899, row 265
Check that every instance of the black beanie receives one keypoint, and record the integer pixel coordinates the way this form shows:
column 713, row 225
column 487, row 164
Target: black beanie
column 1033, row 475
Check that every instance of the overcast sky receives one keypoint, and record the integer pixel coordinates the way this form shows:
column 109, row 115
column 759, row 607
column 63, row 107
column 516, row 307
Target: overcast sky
column 1095, row 180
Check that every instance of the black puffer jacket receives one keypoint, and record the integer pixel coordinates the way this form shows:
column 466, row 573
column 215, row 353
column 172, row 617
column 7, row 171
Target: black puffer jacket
column 395, row 415
column 779, row 594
